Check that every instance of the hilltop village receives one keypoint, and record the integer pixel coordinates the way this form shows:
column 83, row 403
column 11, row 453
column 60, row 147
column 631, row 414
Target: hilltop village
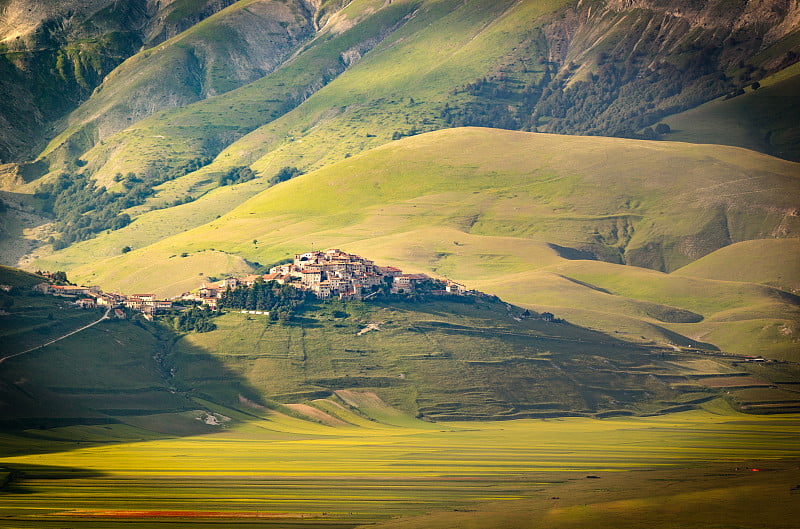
column 323, row 274
column 331, row 273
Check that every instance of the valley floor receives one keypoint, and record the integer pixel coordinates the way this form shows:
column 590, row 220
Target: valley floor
column 710, row 467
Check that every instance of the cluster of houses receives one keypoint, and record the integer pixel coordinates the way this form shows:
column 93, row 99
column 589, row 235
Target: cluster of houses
column 91, row 297
column 326, row 273
column 329, row 273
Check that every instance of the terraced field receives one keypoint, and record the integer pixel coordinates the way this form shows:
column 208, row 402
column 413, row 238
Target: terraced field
column 279, row 471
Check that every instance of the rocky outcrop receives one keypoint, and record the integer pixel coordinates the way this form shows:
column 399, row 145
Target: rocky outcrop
column 619, row 66
column 54, row 54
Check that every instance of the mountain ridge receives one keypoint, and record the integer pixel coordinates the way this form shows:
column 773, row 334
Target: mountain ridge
column 309, row 84
column 565, row 43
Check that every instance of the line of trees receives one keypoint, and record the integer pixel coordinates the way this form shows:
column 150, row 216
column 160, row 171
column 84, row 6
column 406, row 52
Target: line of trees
column 81, row 209
column 197, row 319
column 236, row 175
column 280, row 300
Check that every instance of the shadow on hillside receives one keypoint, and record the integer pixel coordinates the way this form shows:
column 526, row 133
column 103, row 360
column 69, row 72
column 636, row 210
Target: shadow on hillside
column 14, row 246
column 13, row 476
column 124, row 381
column 119, row 381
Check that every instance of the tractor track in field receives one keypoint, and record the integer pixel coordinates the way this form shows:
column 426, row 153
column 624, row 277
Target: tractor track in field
column 67, row 335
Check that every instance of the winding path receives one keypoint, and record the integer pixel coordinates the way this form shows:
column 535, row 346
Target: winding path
column 104, row 317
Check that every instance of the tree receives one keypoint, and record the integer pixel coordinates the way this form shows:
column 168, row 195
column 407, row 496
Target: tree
column 286, row 173
column 126, row 249
column 649, row 134
column 755, row 86
column 663, row 128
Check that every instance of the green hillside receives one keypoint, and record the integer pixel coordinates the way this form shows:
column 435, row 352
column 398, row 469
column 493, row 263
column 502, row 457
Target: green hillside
column 684, row 201
column 764, row 119
column 774, row 262
column 341, row 363
column 509, row 212
column 476, row 359
column 616, row 183
column 111, row 374
column 261, row 85
column 376, row 70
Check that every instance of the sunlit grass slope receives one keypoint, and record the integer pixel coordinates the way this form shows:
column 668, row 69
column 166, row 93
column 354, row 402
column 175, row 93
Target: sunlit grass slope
column 403, row 84
column 426, row 37
column 229, row 49
column 490, row 207
column 739, row 317
column 773, row 262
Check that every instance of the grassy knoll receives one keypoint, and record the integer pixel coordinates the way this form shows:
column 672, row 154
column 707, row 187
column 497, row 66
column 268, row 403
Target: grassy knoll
column 441, row 360
column 281, row 472
column 479, row 360
column 742, row 320
column 773, row 262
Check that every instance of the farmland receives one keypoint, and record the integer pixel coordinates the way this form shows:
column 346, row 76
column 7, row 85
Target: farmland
column 279, row 471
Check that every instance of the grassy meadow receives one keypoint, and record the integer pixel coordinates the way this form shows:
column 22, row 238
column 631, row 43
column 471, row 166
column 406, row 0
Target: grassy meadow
column 774, row 262
column 278, row 471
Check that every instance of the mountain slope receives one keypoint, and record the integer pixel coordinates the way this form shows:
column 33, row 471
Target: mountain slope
column 234, row 47
column 622, row 200
column 763, row 119
column 687, row 45
column 261, row 85
column 774, row 262
column 53, row 54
